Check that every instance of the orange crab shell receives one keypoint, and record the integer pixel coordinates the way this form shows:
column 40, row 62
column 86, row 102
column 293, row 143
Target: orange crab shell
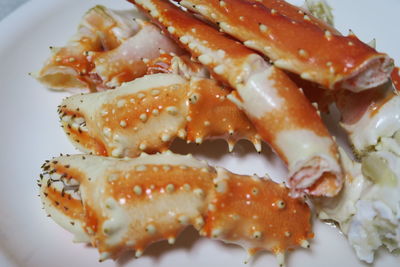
column 264, row 92
column 298, row 43
column 68, row 67
column 148, row 114
column 152, row 198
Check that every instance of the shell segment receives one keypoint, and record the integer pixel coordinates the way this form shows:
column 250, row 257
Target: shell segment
column 127, row 204
column 149, row 113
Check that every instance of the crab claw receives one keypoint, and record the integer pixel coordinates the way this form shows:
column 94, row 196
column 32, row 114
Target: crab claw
column 127, row 204
column 150, row 112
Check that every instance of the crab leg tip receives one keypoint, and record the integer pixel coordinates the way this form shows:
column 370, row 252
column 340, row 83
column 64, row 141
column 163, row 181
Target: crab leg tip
column 257, row 146
column 231, row 146
column 171, row 240
column 280, row 257
column 138, row 253
column 304, row 244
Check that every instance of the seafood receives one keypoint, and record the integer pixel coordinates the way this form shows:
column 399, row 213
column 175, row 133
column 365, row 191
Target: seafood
column 128, row 61
column 127, row 204
column 128, row 120
column 368, row 208
column 109, row 48
column 267, row 96
column 148, row 113
column 299, row 45
column 101, row 29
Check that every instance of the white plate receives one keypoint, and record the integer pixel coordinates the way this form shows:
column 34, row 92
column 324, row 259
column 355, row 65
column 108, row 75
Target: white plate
column 31, row 134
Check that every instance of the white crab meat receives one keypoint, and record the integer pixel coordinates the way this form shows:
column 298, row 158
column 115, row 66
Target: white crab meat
column 368, row 208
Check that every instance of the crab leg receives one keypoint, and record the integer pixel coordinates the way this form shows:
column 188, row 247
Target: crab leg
column 153, row 198
column 298, row 45
column 101, row 29
column 150, row 112
column 129, row 60
column 279, row 110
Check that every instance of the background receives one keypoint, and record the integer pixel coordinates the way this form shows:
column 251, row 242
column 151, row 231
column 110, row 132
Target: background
column 7, row 6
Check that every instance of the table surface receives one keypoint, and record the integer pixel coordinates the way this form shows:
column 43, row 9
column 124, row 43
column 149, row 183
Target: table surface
column 8, row 6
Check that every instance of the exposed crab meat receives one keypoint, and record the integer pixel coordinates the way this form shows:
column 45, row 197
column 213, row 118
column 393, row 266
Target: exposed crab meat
column 368, row 208
column 375, row 118
column 298, row 45
column 129, row 60
column 127, row 204
column 148, row 113
column 101, row 29
column 279, row 110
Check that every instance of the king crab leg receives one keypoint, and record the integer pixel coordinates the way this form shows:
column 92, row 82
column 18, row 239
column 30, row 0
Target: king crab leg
column 153, row 198
column 150, row 112
column 300, row 46
column 267, row 96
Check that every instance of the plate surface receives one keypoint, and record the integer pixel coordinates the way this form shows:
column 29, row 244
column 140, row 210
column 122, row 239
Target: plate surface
column 31, row 134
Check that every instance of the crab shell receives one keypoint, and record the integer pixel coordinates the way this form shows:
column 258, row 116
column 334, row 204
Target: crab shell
column 297, row 13
column 127, row 204
column 278, row 109
column 110, row 47
column 150, row 112
column 380, row 118
column 101, row 29
column 298, row 43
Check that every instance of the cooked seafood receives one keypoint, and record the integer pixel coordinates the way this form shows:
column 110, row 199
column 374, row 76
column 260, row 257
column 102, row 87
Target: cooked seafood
column 368, row 208
column 148, row 113
column 127, row 204
column 297, row 43
column 109, row 48
column 101, row 29
column 129, row 60
column 266, row 95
